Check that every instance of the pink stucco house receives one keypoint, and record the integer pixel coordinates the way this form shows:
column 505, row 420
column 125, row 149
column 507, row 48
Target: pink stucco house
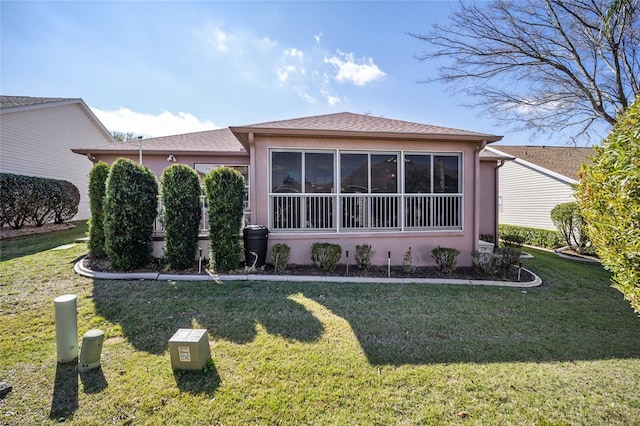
column 348, row 179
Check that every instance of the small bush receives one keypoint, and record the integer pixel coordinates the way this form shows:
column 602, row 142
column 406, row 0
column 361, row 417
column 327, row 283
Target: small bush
column 485, row 263
column 65, row 199
column 224, row 188
column 488, row 238
column 533, row 236
column 130, row 206
column 280, row 256
column 508, row 257
column 363, row 256
column 407, row 262
column 567, row 218
column 446, row 258
column 97, row 189
column 326, row 256
column 515, row 241
column 182, row 209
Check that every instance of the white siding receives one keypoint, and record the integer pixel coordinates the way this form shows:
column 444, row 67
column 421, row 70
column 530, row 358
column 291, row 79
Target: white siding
column 529, row 195
column 38, row 142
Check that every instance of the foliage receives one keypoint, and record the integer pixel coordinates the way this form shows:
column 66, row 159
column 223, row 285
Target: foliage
column 180, row 192
column 26, row 200
column 488, row 238
column 363, row 256
column 446, row 258
column 512, row 240
column 224, row 188
column 130, row 208
column 548, row 65
column 407, row 262
column 534, row 237
column 485, row 263
column 326, row 255
column 280, row 256
column 570, row 224
column 508, row 256
column 609, row 199
column 97, row 190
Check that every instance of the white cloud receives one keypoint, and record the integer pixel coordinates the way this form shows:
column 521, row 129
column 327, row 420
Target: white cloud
column 127, row 121
column 317, row 37
column 219, row 39
column 357, row 73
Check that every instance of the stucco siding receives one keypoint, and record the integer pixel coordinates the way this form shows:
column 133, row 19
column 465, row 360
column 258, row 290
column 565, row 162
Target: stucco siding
column 38, row 142
column 528, row 196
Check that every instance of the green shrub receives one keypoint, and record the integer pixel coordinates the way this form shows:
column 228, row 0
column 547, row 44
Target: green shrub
column 97, row 190
column 35, row 200
column 485, row 263
column 363, row 256
column 130, row 208
column 224, row 188
column 508, row 257
column 609, row 199
column 567, row 218
column 407, row 262
column 280, row 256
column 534, row 237
column 326, row 255
column 488, row 238
column 180, row 194
column 446, row 258
column 512, row 240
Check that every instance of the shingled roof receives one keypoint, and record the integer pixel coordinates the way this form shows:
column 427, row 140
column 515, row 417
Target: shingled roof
column 218, row 141
column 564, row 160
column 26, row 101
column 348, row 124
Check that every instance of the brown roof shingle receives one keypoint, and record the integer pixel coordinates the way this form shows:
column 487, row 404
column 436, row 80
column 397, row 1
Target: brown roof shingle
column 564, row 160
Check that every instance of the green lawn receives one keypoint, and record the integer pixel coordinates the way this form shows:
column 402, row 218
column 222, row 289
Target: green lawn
column 567, row 352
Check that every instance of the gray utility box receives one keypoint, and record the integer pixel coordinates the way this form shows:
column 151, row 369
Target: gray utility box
column 189, row 349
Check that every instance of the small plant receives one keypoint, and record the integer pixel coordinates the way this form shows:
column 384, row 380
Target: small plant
column 326, row 255
column 407, row 262
column 280, row 256
column 508, row 257
column 513, row 241
column 485, row 263
column 446, row 258
column 208, row 366
column 488, row 238
column 363, row 256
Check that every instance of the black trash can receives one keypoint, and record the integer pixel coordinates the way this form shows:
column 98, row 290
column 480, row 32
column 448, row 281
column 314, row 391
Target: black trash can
column 255, row 245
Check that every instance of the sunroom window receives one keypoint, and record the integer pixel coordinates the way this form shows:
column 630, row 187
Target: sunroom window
column 375, row 191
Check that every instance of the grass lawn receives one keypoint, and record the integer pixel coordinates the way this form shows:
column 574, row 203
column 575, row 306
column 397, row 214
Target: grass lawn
column 567, row 352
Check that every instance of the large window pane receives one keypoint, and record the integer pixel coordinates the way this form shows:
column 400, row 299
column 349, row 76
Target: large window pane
column 319, row 172
column 354, row 173
column 446, row 174
column 417, row 174
column 286, row 172
column 384, row 172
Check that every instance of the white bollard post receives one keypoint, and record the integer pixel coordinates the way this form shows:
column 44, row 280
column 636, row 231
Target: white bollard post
column 66, row 327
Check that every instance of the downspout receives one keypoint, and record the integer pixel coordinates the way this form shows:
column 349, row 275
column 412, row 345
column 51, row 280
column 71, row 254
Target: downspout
column 476, row 193
column 252, row 177
column 497, row 194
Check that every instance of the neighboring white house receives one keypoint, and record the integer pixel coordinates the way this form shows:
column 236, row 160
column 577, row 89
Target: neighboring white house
column 36, row 137
column 540, row 178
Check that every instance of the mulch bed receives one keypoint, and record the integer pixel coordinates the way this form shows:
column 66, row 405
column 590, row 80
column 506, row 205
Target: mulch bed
column 463, row 273
column 7, row 232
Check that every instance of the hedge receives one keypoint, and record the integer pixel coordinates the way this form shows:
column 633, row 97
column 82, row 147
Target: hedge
column 224, row 188
column 130, row 207
column 533, row 236
column 31, row 200
column 180, row 189
column 97, row 189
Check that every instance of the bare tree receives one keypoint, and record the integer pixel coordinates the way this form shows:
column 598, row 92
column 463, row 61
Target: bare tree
column 545, row 65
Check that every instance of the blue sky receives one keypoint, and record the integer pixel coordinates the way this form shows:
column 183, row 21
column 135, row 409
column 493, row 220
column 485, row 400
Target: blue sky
column 158, row 68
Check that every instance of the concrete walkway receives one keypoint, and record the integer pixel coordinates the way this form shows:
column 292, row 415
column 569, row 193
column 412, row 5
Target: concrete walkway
column 82, row 270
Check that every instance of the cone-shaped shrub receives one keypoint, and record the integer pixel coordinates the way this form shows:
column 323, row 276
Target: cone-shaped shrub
column 130, row 208
column 97, row 189
column 224, row 188
column 180, row 189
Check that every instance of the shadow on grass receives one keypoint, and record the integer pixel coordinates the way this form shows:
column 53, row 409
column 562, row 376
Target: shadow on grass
column 198, row 382
column 31, row 244
column 64, row 402
column 150, row 312
column 575, row 315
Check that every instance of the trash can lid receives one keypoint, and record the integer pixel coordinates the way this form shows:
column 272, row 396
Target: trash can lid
column 256, row 229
